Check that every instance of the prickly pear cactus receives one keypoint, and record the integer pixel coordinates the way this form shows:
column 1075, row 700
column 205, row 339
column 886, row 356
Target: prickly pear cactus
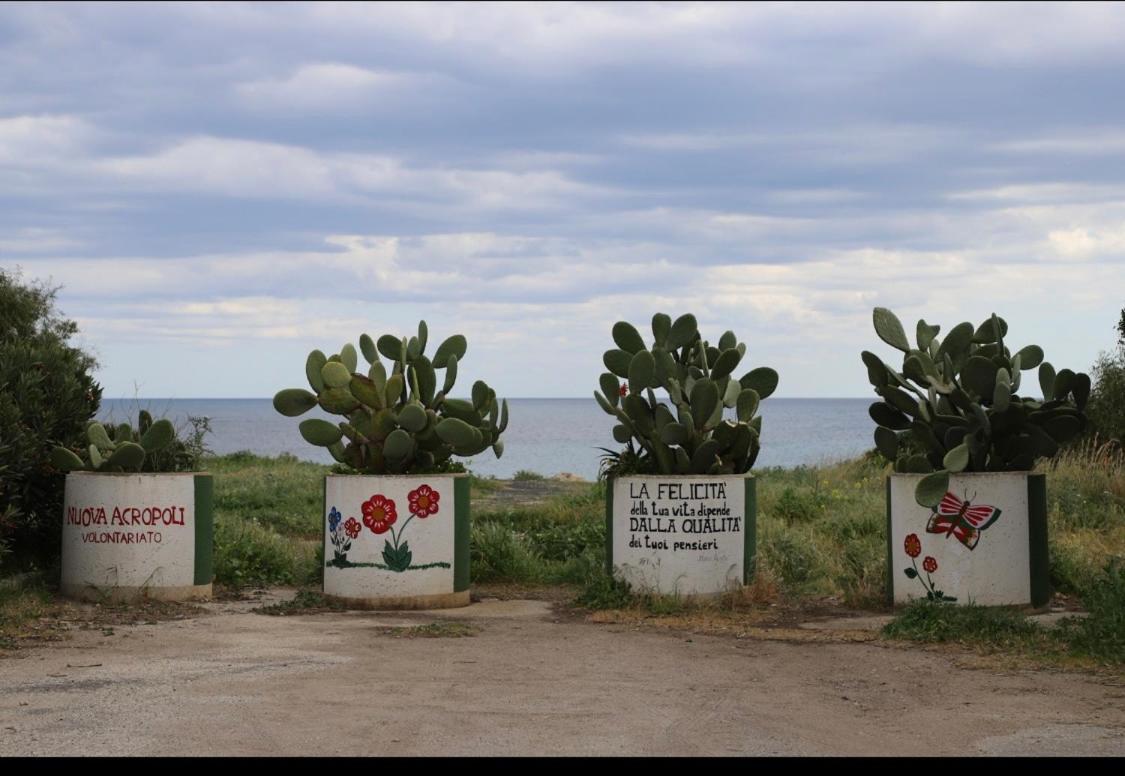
column 690, row 434
column 956, row 406
column 121, row 448
column 397, row 418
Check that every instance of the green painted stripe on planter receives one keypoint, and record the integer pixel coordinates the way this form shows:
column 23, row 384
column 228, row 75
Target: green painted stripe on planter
column 204, row 529
column 323, row 532
column 609, row 526
column 750, row 536
column 461, row 529
column 890, row 559
column 1037, row 537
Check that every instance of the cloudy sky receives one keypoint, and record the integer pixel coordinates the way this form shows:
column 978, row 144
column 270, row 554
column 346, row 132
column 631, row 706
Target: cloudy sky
column 221, row 188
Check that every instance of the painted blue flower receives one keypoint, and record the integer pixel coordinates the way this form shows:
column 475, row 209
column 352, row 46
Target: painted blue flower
column 333, row 520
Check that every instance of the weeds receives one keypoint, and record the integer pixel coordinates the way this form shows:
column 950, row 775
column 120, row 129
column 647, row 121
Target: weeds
column 434, row 630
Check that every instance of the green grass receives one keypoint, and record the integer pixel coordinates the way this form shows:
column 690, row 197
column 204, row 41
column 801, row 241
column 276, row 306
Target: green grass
column 559, row 542
column 526, row 475
column 820, row 529
column 267, row 519
column 434, row 630
column 1101, row 635
column 282, row 493
column 820, row 534
column 23, row 599
column 1098, row 638
column 304, row 602
column 999, row 628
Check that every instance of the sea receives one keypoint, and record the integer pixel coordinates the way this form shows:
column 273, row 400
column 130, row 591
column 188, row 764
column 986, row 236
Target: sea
column 548, row 436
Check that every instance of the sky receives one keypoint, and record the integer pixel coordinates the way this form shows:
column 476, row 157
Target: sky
column 219, row 189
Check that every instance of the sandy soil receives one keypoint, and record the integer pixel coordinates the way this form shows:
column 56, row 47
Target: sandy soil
column 529, row 681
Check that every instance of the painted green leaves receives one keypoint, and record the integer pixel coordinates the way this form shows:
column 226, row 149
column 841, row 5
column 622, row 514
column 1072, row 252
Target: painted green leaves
column 397, row 558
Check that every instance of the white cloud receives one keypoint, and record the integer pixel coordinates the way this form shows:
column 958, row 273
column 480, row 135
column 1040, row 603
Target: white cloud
column 1047, row 192
column 1083, row 244
column 249, row 168
column 584, row 35
column 26, row 141
column 855, row 143
column 232, row 167
column 1076, row 141
column 327, row 85
column 32, row 240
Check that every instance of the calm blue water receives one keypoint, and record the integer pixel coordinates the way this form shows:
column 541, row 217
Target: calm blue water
column 549, row 436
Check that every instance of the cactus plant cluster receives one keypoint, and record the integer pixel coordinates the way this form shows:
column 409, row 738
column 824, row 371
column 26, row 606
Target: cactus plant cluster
column 396, row 420
column 690, row 435
column 956, row 407
column 122, row 448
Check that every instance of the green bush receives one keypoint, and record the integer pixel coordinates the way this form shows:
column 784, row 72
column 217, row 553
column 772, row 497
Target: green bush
column 798, row 507
column 47, row 396
column 1107, row 399
column 993, row 626
column 526, row 475
column 1102, row 634
column 791, row 556
column 1106, row 408
column 247, row 553
column 497, row 553
column 601, row 591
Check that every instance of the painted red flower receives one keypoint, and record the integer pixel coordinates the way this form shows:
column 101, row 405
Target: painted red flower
column 423, row 501
column 352, row 528
column 913, row 546
column 379, row 513
column 624, row 389
column 929, row 564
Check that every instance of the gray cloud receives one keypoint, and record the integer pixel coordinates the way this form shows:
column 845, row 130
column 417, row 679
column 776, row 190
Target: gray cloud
column 202, row 173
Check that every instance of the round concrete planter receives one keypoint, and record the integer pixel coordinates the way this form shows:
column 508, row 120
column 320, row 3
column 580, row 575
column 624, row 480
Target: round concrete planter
column 992, row 552
column 688, row 535
column 130, row 536
column 417, row 559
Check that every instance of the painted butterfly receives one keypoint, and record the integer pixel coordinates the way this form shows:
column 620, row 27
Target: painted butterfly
column 954, row 517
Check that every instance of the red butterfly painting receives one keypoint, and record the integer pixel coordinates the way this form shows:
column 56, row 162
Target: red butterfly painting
column 954, row 517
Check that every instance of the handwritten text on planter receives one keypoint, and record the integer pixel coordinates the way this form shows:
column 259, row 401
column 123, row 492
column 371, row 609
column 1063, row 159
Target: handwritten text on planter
column 126, row 517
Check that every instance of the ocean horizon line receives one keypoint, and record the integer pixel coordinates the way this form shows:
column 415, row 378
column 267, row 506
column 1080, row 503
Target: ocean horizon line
column 510, row 398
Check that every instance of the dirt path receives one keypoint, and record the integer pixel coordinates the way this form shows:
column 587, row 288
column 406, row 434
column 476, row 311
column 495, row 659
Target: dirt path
column 237, row 683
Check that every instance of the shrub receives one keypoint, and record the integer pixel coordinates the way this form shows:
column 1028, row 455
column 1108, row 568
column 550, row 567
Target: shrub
column 247, row 553
column 498, row 553
column 47, row 396
column 526, row 475
column 1107, row 399
column 1102, row 634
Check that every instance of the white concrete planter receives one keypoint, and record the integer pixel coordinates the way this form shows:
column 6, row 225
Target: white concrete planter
column 986, row 543
column 128, row 536
column 689, row 535
column 397, row 542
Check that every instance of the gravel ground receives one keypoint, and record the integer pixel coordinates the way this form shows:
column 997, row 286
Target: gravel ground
column 523, row 680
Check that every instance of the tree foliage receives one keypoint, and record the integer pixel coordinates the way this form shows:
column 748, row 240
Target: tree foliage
column 1106, row 409
column 47, row 396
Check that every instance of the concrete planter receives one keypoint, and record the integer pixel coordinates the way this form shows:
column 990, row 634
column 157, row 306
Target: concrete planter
column 130, row 536
column 691, row 535
column 986, row 543
column 397, row 542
